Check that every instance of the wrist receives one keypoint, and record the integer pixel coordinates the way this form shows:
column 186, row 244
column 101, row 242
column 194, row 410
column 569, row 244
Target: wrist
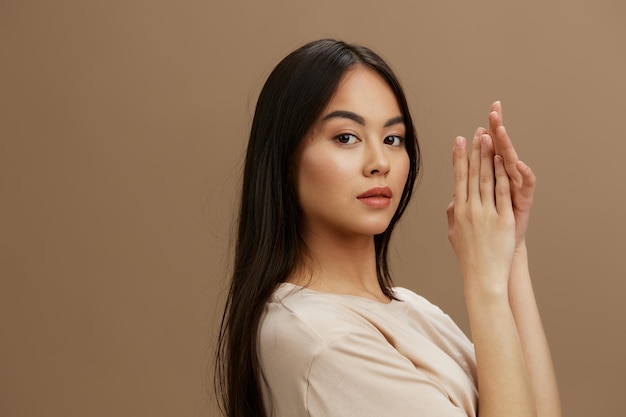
column 485, row 291
column 520, row 247
column 485, row 302
column 520, row 260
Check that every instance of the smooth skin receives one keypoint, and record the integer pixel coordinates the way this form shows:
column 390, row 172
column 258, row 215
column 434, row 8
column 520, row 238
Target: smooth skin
column 488, row 219
column 356, row 144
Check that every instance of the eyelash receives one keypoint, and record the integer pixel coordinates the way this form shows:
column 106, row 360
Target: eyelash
column 347, row 136
column 399, row 138
column 339, row 138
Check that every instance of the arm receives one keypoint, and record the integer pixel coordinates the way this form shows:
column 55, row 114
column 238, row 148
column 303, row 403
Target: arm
column 534, row 342
column 482, row 233
column 521, row 295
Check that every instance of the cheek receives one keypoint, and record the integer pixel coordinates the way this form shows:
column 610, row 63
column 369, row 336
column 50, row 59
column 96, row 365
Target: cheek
column 324, row 170
column 404, row 165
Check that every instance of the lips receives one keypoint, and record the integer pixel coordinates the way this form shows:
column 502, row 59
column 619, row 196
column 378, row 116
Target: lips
column 377, row 192
column 377, row 197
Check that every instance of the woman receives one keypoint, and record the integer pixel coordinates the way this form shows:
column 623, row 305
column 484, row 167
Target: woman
column 312, row 325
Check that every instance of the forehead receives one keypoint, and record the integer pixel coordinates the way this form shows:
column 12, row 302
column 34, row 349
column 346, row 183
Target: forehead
column 364, row 92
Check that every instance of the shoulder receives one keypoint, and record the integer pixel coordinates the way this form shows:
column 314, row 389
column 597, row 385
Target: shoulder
column 416, row 301
column 298, row 327
column 295, row 316
column 424, row 315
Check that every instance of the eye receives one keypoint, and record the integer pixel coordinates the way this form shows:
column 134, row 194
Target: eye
column 393, row 140
column 346, row 139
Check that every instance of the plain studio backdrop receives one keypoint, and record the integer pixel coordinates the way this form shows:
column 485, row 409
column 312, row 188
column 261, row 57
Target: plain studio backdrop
column 122, row 131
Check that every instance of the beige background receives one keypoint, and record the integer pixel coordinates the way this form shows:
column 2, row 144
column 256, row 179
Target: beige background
column 122, row 130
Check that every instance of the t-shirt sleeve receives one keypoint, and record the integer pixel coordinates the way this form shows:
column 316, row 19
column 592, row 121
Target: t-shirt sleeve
column 361, row 374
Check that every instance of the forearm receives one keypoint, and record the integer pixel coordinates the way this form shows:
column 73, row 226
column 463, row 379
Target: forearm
column 533, row 340
column 503, row 380
column 483, row 228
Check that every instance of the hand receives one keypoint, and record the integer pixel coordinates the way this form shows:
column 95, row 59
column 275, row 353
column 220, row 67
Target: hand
column 521, row 179
column 481, row 222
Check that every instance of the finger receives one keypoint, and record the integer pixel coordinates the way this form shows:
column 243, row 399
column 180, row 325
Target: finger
column 459, row 165
column 487, row 178
column 504, row 147
column 502, row 188
column 473, row 188
column 528, row 180
column 495, row 119
column 494, row 123
column 497, row 107
column 450, row 213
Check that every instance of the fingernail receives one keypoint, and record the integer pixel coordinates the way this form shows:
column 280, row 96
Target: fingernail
column 459, row 142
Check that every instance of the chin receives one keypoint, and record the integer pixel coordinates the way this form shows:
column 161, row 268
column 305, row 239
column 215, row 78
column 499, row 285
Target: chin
column 377, row 229
column 380, row 224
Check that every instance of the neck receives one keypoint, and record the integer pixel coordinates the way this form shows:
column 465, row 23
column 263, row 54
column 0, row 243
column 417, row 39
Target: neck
column 340, row 265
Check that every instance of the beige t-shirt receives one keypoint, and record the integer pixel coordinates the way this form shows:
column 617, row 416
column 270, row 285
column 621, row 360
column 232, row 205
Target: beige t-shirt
column 331, row 355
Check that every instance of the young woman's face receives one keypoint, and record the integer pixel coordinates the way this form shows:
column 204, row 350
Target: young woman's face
column 352, row 165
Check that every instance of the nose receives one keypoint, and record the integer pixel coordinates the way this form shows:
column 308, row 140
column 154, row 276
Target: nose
column 376, row 160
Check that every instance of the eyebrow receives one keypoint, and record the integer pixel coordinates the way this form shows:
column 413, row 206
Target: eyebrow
column 359, row 119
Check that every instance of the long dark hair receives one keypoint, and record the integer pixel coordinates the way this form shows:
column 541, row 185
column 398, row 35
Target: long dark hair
column 269, row 241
